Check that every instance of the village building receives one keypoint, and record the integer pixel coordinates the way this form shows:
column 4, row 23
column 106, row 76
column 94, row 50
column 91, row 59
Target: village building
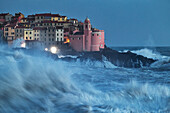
column 5, row 17
column 49, row 17
column 52, row 36
column 88, row 40
column 29, row 34
column 9, row 32
column 48, row 30
column 18, row 17
column 19, row 31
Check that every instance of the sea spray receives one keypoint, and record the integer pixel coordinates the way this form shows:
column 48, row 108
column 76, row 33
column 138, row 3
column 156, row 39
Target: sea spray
column 32, row 83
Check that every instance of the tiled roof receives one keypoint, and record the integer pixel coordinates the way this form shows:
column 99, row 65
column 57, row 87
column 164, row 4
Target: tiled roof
column 87, row 20
column 39, row 28
column 43, row 14
column 4, row 14
column 79, row 33
column 48, row 21
column 49, row 14
column 55, row 15
column 2, row 20
column 73, row 19
column 21, row 27
column 11, row 25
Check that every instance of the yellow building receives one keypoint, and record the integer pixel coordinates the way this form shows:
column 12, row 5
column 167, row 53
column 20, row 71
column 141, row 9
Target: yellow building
column 9, row 33
column 29, row 34
column 59, row 18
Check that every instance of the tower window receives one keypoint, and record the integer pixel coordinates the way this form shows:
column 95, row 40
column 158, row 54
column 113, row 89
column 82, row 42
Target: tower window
column 86, row 26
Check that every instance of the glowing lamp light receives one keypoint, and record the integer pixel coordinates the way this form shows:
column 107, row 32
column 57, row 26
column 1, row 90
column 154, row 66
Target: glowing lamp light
column 23, row 45
column 46, row 49
column 53, row 50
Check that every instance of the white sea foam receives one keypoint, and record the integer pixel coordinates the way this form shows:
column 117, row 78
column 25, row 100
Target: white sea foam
column 40, row 84
column 147, row 53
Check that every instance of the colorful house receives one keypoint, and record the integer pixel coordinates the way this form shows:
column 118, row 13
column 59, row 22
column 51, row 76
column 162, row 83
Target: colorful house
column 90, row 39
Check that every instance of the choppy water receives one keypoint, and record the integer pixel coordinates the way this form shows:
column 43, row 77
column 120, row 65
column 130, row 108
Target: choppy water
column 38, row 84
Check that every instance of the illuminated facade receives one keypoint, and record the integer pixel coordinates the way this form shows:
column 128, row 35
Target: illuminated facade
column 88, row 40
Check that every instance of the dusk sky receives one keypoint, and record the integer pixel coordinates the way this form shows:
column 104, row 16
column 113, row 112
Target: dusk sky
column 126, row 22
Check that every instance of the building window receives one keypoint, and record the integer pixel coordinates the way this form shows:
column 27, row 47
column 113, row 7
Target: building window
column 48, row 34
column 30, row 33
column 6, row 29
column 30, row 38
column 20, row 30
column 53, row 34
column 61, row 39
column 17, row 30
column 35, row 35
column 52, row 39
column 72, row 38
column 61, row 34
column 101, row 45
column 26, row 32
column 86, row 26
column 49, row 39
column 97, row 34
column 49, row 30
column 78, row 38
column 26, row 37
column 44, row 39
column 57, row 29
column 92, row 34
column 61, row 30
column 41, row 17
column 57, row 34
column 57, row 39
column 17, row 35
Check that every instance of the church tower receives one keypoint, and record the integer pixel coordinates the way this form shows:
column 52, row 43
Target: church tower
column 87, row 33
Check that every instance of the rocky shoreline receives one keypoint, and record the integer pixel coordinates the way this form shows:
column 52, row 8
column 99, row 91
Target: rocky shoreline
column 127, row 59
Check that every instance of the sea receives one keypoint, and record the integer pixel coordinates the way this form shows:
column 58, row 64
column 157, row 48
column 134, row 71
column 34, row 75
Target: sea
column 36, row 83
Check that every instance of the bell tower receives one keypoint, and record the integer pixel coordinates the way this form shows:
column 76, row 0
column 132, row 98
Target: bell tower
column 87, row 33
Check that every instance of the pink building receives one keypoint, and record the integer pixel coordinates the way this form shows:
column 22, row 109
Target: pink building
column 88, row 40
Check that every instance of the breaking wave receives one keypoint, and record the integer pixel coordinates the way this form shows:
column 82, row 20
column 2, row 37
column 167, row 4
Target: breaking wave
column 148, row 53
column 163, row 62
column 39, row 84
